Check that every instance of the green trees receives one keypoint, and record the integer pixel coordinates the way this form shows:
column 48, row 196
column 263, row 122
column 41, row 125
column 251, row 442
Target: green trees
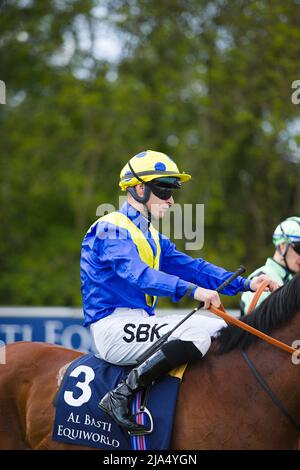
column 208, row 82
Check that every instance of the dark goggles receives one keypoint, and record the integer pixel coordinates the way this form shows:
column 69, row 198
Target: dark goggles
column 163, row 188
column 296, row 247
column 162, row 193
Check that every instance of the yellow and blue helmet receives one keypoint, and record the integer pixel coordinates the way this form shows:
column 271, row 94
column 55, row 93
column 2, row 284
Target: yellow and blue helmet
column 148, row 166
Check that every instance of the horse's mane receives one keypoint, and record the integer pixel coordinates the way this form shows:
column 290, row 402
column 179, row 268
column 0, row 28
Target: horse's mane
column 274, row 311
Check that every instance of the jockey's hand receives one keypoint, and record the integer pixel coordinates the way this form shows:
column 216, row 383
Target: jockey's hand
column 209, row 297
column 257, row 281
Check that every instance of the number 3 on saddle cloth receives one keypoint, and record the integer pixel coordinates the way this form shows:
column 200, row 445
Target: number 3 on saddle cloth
column 80, row 421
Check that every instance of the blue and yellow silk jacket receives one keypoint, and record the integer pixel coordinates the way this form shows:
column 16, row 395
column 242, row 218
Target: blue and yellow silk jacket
column 126, row 262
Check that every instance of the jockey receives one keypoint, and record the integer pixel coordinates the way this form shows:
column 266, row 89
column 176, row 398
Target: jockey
column 285, row 262
column 126, row 264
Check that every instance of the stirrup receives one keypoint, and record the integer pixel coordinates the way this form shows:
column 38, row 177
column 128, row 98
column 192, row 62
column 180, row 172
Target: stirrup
column 145, row 410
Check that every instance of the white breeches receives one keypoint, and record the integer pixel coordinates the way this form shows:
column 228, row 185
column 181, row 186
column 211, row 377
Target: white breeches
column 124, row 335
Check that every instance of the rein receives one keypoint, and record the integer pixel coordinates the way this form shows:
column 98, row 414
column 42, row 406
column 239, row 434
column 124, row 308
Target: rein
column 230, row 319
column 269, row 391
column 256, row 296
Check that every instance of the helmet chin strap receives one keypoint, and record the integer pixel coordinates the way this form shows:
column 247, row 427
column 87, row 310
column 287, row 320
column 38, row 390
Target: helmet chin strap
column 285, row 250
column 142, row 199
column 147, row 192
column 284, row 258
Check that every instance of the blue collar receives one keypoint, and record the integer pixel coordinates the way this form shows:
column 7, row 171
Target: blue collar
column 135, row 216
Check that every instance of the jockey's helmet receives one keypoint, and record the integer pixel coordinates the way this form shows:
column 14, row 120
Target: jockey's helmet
column 288, row 232
column 156, row 170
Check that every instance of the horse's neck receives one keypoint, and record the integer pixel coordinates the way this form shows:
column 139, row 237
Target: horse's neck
column 279, row 368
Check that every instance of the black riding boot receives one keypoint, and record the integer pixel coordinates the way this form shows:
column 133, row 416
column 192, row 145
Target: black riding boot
column 117, row 402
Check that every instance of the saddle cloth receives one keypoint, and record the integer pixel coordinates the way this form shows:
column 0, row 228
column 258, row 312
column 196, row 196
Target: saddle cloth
column 79, row 420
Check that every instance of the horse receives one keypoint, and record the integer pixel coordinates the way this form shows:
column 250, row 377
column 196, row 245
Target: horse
column 220, row 403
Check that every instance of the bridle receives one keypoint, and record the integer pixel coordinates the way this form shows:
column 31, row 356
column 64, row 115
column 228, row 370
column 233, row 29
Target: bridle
column 269, row 391
column 229, row 319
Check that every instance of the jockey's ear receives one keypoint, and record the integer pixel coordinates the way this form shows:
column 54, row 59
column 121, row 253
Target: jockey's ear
column 282, row 249
column 140, row 188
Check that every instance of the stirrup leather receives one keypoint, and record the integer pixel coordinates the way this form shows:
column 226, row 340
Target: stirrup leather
column 143, row 409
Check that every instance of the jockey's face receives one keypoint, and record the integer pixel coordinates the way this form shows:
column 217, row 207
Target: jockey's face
column 292, row 258
column 294, row 261
column 158, row 207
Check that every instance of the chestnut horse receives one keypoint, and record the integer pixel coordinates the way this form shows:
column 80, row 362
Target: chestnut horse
column 220, row 404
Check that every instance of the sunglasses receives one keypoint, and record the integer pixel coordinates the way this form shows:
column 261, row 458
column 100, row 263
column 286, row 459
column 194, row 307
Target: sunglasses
column 296, row 247
column 162, row 193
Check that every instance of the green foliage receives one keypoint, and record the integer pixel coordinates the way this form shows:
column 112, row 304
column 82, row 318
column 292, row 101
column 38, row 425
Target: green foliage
column 208, row 82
